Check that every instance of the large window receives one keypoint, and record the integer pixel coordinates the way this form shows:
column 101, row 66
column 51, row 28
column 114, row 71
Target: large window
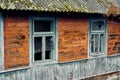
column 97, row 39
column 44, row 39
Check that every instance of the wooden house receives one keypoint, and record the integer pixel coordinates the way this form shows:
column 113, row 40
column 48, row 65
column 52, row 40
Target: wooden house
column 58, row 40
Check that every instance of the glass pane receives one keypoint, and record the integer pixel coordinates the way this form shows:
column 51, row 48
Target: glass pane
column 38, row 48
column 42, row 26
column 49, row 47
column 102, row 44
column 92, row 46
column 94, row 43
column 97, row 25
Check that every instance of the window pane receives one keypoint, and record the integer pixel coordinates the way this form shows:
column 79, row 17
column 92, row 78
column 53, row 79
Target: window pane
column 38, row 48
column 97, row 25
column 102, row 44
column 94, row 43
column 49, row 47
column 42, row 26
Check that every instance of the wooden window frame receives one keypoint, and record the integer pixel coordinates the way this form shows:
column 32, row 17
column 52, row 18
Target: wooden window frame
column 43, row 35
column 98, row 32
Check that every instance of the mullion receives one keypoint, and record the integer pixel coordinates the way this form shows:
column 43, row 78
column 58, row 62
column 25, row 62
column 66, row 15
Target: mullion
column 98, row 43
column 94, row 44
column 33, row 48
column 43, row 48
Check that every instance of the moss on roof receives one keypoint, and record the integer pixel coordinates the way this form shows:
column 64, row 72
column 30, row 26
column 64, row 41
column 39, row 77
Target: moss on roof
column 86, row 6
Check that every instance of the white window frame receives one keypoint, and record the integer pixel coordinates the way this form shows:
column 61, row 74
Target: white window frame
column 98, row 32
column 1, row 42
column 43, row 35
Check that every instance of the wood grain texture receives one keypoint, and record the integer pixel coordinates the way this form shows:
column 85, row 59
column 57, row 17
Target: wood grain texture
column 1, row 43
column 66, row 71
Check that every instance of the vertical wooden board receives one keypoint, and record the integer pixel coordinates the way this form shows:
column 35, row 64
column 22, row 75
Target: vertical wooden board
column 92, row 61
column 100, row 66
column 111, row 64
column 49, row 70
column 33, row 73
column 23, row 74
column 118, row 62
column 1, row 43
column 0, row 58
column 89, row 67
column 86, row 68
column 63, row 72
column 7, row 76
column 13, row 75
column 37, row 73
column 76, row 70
column 18, row 75
column 103, row 62
column 56, row 72
column 81, row 69
column 2, row 77
column 28, row 75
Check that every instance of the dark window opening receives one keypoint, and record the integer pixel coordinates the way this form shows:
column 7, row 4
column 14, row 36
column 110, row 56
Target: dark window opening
column 38, row 56
column 49, row 47
column 38, row 48
column 42, row 26
column 47, row 54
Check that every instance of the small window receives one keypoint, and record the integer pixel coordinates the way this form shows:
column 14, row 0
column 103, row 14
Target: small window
column 97, row 41
column 44, row 39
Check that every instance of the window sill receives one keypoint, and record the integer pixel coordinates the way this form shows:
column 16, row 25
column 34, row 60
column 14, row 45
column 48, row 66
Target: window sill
column 97, row 55
column 44, row 63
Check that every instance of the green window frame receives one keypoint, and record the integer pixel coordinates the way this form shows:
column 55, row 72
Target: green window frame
column 44, row 40
column 97, row 37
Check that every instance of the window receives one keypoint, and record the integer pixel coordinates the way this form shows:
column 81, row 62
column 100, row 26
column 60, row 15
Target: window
column 44, row 39
column 97, row 39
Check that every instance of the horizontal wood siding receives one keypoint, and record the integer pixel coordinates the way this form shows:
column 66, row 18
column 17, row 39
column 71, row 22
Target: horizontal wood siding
column 66, row 71
column 72, row 38
column 113, row 37
column 16, row 33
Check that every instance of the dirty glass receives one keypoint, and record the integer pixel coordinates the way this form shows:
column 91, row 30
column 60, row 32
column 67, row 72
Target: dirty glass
column 42, row 26
column 37, row 48
column 49, row 47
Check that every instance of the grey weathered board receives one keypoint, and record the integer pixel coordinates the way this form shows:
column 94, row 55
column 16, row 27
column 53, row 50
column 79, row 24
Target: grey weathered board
column 1, row 43
column 66, row 71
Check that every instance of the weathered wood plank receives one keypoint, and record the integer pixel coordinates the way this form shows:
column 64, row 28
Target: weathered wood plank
column 112, row 64
column 66, row 71
column 1, row 43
